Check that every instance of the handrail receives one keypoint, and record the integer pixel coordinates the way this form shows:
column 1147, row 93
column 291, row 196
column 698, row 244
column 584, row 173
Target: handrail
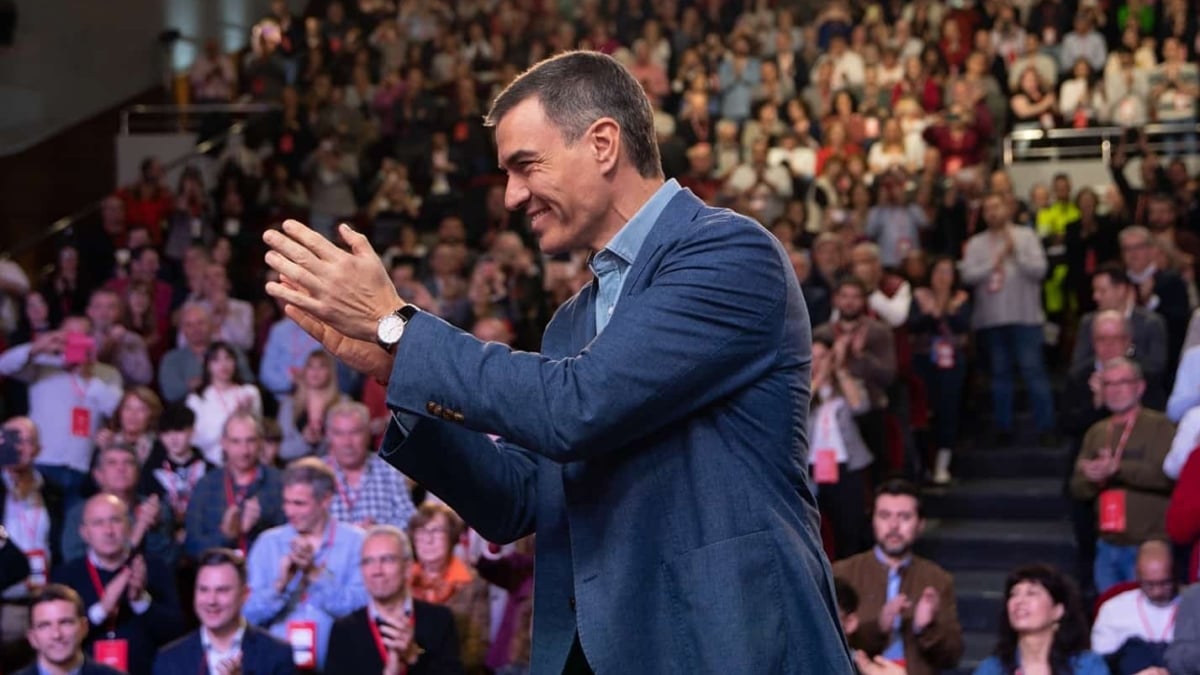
column 66, row 222
column 1103, row 135
column 194, row 108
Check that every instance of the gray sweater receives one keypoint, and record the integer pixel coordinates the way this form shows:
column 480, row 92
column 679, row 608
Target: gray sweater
column 1018, row 300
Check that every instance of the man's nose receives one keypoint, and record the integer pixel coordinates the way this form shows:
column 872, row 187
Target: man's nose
column 516, row 193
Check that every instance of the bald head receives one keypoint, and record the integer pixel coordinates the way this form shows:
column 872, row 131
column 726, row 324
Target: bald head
column 1155, row 571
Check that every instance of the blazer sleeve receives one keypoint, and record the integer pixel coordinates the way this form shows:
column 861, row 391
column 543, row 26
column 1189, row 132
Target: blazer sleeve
column 14, row 566
column 708, row 325
column 340, row 658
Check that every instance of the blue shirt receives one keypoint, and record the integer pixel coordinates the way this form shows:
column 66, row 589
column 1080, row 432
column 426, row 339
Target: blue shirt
column 1083, row 663
column 895, row 648
column 611, row 264
column 337, row 591
column 287, row 347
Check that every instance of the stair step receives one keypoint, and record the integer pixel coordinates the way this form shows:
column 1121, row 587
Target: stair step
column 980, row 596
column 1002, row 545
column 978, row 645
column 992, row 498
column 1011, row 462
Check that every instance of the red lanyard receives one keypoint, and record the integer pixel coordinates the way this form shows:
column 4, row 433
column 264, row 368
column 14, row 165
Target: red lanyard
column 237, row 496
column 344, row 492
column 1146, row 622
column 373, row 624
column 111, row 623
column 79, row 387
column 1120, row 447
column 30, row 529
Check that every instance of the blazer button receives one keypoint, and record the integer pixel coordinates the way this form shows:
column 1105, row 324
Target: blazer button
column 432, row 408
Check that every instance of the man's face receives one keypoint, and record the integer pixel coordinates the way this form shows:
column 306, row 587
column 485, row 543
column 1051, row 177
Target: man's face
column 383, row 566
column 348, row 440
column 1109, row 295
column 1136, row 252
column 1109, row 340
column 27, row 441
column 196, row 327
column 849, row 302
column 865, row 266
column 147, row 265
column 1157, row 582
column 56, row 632
column 105, row 527
column 995, row 211
column 1122, row 388
column 240, row 442
column 177, row 441
column 558, row 186
column 1062, row 189
column 219, row 596
column 302, row 509
column 116, row 472
column 215, row 280
column 896, row 524
column 1161, row 214
column 103, row 310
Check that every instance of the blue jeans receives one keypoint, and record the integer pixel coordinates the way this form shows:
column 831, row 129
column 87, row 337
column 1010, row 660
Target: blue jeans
column 69, row 481
column 943, row 390
column 1021, row 346
column 1114, row 564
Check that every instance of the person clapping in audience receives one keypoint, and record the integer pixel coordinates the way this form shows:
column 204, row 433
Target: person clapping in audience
column 1044, row 630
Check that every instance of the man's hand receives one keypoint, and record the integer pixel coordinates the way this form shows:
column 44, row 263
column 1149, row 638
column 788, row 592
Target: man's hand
column 1153, row 670
column 137, row 579
column 1101, row 468
column 927, row 607
column 251, row 512
column 397, row 639
column 877, row 666
column 346, row 291
column 231, row 522
column 145, row 516
column 230, row 666
column 116, row 588
column 892, row 609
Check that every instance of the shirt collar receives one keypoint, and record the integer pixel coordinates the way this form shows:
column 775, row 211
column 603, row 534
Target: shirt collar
column 96, row 561
column 883, row 559
column 206, row 639
column 627, row 242
column 373, row 609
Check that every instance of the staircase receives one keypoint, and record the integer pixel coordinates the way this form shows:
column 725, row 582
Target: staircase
column 1006, row 508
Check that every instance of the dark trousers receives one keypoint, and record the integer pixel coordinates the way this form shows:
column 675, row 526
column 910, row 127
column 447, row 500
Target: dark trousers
column 844, row 505
column 944, row 387
column 873, row 430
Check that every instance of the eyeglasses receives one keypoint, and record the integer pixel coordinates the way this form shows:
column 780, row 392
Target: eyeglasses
column 1161, row 583
column 1120, row 383
column 430, row 531
column 387, row 559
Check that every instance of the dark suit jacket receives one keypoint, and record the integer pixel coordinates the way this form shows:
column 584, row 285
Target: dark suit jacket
column 14, row 566
column 1149, row 341
column 262, row 654
column 660, row 462
column 1175, row 309
column 90, row 667
column 160, row 624
column 352, row 647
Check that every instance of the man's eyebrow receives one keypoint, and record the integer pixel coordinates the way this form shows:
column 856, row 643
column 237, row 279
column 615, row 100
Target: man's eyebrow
column 516, row 156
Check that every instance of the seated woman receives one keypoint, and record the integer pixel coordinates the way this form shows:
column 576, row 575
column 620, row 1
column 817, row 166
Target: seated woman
column 1045, row 631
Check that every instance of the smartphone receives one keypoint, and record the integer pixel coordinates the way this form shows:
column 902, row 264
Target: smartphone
column 78, row 349
column 9, row 454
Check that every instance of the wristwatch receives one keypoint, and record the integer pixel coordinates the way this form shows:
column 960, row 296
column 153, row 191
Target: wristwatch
column 391, row 327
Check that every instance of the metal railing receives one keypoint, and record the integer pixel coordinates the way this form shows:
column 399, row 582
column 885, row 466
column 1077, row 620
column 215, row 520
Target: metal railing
column 1090, row 143
column 174, row 118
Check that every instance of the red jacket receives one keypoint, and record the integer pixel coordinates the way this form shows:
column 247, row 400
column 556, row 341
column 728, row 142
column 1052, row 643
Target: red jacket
column 1183, row 513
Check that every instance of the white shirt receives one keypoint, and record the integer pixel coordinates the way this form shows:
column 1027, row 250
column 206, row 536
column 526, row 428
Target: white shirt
column 1129, row 615
column 894, row 310
column 212, row 408
column 215, row 656
column 28, row 526
column 1187, row 435
column 96, row 613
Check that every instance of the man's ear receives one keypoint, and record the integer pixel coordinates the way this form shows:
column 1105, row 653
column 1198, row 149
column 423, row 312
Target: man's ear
column 604, row 143
column 850, row 624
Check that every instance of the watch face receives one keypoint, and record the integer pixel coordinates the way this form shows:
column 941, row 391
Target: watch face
column 391, row 327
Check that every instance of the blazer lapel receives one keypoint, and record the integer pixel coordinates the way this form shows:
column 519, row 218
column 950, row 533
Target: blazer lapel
column 681, row 209
column 583, row 324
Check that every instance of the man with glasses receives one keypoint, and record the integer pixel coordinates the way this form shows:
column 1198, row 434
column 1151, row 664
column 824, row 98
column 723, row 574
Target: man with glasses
column 1132, row 629
column 1159, row 290
column 394, row 633
column 57, row 631
column 1120, row 466
column 224, row 642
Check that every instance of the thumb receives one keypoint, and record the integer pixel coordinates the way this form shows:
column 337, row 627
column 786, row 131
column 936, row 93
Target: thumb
column 359, row 245
column 306, row 321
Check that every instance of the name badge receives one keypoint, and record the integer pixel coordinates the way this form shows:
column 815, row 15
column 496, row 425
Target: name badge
column 1112, row 511
column 112, row 653
column 302, row 636
column 825, row 470
column 943, row 353
column 81, row 422
column 37, row 567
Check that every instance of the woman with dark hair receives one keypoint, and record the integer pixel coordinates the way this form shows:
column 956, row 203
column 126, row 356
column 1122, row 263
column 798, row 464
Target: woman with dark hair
column 939, row 324
column 221, row 393
column 1044, row 630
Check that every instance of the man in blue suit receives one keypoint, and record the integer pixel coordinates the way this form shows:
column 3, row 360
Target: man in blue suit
column 224, row 644
column 657, row 445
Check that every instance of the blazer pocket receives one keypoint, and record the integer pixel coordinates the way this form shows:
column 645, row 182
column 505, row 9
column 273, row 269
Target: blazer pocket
column 727, row 607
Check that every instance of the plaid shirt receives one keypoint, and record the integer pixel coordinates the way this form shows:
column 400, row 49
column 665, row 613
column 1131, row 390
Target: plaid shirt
column 209, row 501
column 381, row 496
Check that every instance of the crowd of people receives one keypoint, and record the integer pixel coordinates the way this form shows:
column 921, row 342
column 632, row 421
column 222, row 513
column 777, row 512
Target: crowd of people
column 188, row 458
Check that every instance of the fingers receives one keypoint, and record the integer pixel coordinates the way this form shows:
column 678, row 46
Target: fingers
column 291, row 296
column 298, row 276
column 309, row 239
column 358, row 243
column 305, row 320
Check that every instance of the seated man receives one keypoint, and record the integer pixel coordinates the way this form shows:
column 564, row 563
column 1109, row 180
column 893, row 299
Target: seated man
column 232, row 506
column 304, row 574
column 369, row 491
column 1112, row 289
column 130, row 596
column 116, row 473
column 57, row 631
column 394, row 632
column 224, row 642
column 1120, row 466
column 906, row 608
column 1132, row 629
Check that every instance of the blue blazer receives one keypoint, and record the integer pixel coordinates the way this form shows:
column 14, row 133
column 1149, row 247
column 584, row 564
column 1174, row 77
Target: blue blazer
column 262, row 654
column 661, row 463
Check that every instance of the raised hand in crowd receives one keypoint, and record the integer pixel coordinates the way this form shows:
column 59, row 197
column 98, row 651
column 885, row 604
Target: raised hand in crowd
column 892, row 609
column 136, row 587
column 145, row 517
column 250, row 513
column 401, row 649
column 110, row 600
column 926, row 610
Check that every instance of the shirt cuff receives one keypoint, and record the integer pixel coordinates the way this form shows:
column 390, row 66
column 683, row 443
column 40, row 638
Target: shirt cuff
column 142, row 604
column 96, row 614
